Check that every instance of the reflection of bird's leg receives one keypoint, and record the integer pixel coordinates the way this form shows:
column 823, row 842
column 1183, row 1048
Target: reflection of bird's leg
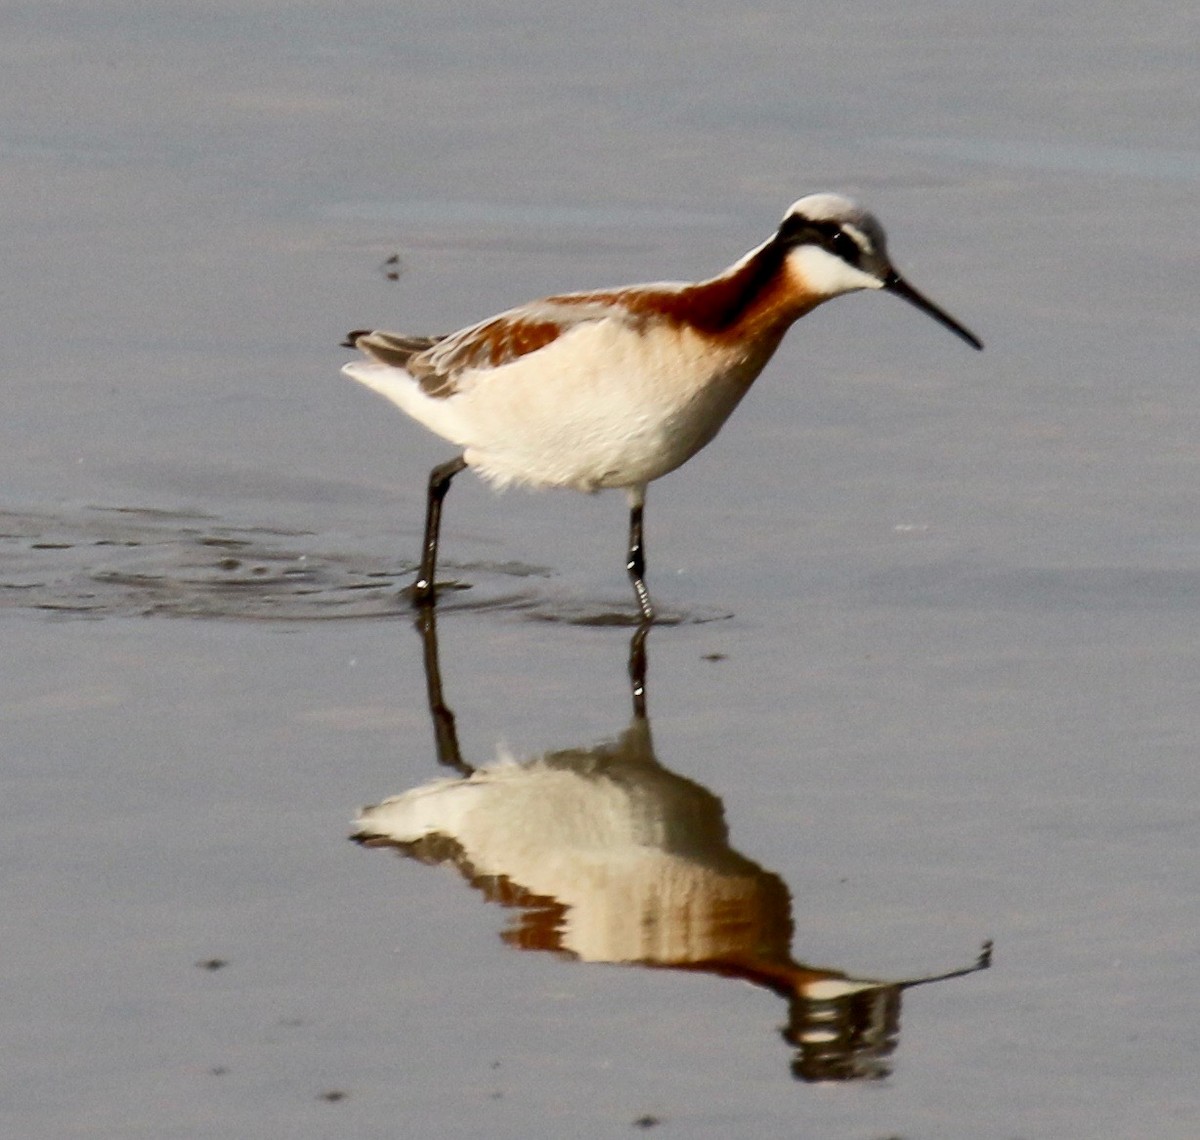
column 445, row 734
column 637, row 669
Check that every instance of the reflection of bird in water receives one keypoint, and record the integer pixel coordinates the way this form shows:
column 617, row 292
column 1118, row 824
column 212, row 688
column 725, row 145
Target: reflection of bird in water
column 612, row 858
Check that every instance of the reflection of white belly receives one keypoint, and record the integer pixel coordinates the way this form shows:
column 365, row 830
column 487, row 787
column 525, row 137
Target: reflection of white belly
column 608, row 851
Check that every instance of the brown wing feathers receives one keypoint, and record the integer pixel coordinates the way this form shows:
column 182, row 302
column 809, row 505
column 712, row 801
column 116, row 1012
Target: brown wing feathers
column 388, row 348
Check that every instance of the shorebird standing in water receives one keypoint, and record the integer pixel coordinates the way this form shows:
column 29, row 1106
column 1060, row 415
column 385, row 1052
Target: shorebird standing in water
column 617, row 387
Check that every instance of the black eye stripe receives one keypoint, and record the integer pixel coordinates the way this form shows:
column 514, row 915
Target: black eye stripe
column 829, row 236
column 845, row 247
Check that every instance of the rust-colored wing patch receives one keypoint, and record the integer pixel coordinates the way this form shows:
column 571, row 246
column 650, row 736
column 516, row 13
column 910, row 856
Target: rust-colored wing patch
column 500, row 340
column 489, row 345
column 438, row 363
column 505, row 339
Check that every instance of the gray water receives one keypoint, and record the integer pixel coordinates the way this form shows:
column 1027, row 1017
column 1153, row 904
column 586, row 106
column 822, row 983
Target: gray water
column 929, row 675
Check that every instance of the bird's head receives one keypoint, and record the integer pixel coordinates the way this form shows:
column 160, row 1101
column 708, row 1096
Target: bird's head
column 834, row 246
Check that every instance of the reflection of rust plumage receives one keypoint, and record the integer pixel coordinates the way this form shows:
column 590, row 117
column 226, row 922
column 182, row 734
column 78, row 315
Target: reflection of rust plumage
column 604, row 855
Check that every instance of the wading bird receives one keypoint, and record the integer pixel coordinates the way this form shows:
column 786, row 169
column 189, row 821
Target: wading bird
column 617, row 387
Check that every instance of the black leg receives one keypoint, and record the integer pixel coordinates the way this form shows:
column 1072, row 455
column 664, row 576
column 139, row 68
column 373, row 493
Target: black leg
column 439, row 484
column 636, row 563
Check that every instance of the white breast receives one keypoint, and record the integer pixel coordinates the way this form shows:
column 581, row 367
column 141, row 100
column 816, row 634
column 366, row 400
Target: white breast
column 603, row 406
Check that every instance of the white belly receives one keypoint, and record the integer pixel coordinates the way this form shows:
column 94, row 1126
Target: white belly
column 602, row 407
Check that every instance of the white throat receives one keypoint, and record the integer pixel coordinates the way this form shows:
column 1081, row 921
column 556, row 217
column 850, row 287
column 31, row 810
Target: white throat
column 821, row 272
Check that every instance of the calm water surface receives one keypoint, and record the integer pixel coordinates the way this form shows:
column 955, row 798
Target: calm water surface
column 931, row 667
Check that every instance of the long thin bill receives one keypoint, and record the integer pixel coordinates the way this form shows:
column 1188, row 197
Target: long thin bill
column 896, row 284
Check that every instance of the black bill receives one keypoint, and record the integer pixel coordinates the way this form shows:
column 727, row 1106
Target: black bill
column 896, row 284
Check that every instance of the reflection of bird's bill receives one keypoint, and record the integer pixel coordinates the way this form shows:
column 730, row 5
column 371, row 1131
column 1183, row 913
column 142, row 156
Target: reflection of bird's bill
column 896, row 285
column 595, row 846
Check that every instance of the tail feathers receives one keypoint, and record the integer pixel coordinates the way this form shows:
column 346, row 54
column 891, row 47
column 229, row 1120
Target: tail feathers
column 389, row 348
